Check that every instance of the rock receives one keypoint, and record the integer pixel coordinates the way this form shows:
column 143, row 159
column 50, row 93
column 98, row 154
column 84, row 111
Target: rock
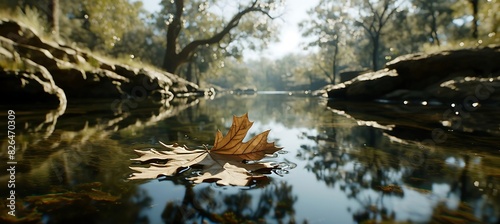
column 7, row 49
column 32, row 84
column 367, row 86
column 125, row 71
column 425, row 77
column 54, row 72
column 38, row 55
column 19, row 33
column 81, row 84
column 31, row 87
column 432, row 124
column 421, row 70
column 468, row 90
column 346, row 76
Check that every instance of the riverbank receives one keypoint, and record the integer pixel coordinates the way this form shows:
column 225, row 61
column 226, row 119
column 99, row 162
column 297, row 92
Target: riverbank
column 38, row 71
column 447, row 77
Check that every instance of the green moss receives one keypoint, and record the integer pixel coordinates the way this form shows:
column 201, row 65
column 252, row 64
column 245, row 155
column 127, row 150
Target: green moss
column 463, row 44
column 93, row 62
column 12, row 65
column 33, row 19
column 30, row 17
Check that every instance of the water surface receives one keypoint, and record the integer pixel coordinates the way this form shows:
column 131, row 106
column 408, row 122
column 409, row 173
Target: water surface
column 336, row 167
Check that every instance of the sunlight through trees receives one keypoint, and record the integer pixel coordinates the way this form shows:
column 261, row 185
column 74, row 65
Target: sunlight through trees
column 204, row 41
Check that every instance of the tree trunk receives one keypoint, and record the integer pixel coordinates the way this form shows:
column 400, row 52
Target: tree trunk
column 189, row 72
column 174, row 58
column 53, row 17
column 171, row 60
column 373, row 26
column 475, row 10
column 376, row 46
column 334, row 67
column 434, row 34
column 197, row 75
column 170, row 63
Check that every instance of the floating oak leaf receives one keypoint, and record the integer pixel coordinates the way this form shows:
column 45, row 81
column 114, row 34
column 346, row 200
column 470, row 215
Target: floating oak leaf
column 224, row 162
column 232, row 143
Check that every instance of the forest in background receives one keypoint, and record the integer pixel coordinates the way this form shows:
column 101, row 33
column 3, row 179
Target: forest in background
column 203, row 40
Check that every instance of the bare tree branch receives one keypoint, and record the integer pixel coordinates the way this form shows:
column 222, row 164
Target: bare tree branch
column 219, row 36
column 173, row 59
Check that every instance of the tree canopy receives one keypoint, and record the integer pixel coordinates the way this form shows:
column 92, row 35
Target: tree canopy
column 190, row 25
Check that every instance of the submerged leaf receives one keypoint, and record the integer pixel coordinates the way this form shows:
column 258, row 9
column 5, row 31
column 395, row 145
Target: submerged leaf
column 224, row 163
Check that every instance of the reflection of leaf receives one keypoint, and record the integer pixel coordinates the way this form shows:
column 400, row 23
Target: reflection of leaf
column 224, row 162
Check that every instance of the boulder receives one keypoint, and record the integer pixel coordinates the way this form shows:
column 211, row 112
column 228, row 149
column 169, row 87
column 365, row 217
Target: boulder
column 37, row 86
column 39, row 70
column 468, row 90
column 422, row 70
column 19, row 33
column 346, row 76
column 428, row 125
column 80, row 84
column 444, row 76
column 367, row 86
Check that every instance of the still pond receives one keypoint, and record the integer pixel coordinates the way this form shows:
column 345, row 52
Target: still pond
column 335, row 167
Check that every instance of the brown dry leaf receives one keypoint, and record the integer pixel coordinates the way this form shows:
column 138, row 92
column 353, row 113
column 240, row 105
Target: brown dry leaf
column 224, row 162
column 232, row 143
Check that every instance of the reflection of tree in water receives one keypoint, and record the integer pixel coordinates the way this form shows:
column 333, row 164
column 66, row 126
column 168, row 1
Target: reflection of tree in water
column 61, row 156
column 358, row 159
column 369, row 168
column 475, row 184
column 357, row 148
column 372, row 210
column 291, row 112
column 275, row 202
column 139, row 200
column 352, row 161
column 197, row 125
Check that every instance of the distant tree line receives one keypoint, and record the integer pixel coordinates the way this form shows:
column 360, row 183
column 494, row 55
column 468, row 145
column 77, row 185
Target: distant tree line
column 343, row 30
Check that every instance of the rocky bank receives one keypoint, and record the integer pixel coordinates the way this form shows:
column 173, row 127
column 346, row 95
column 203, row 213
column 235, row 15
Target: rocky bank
column 429, row 98
column 33, row 70
column 447, row 76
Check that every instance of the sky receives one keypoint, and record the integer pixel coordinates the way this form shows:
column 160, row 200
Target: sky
column 291, row 40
